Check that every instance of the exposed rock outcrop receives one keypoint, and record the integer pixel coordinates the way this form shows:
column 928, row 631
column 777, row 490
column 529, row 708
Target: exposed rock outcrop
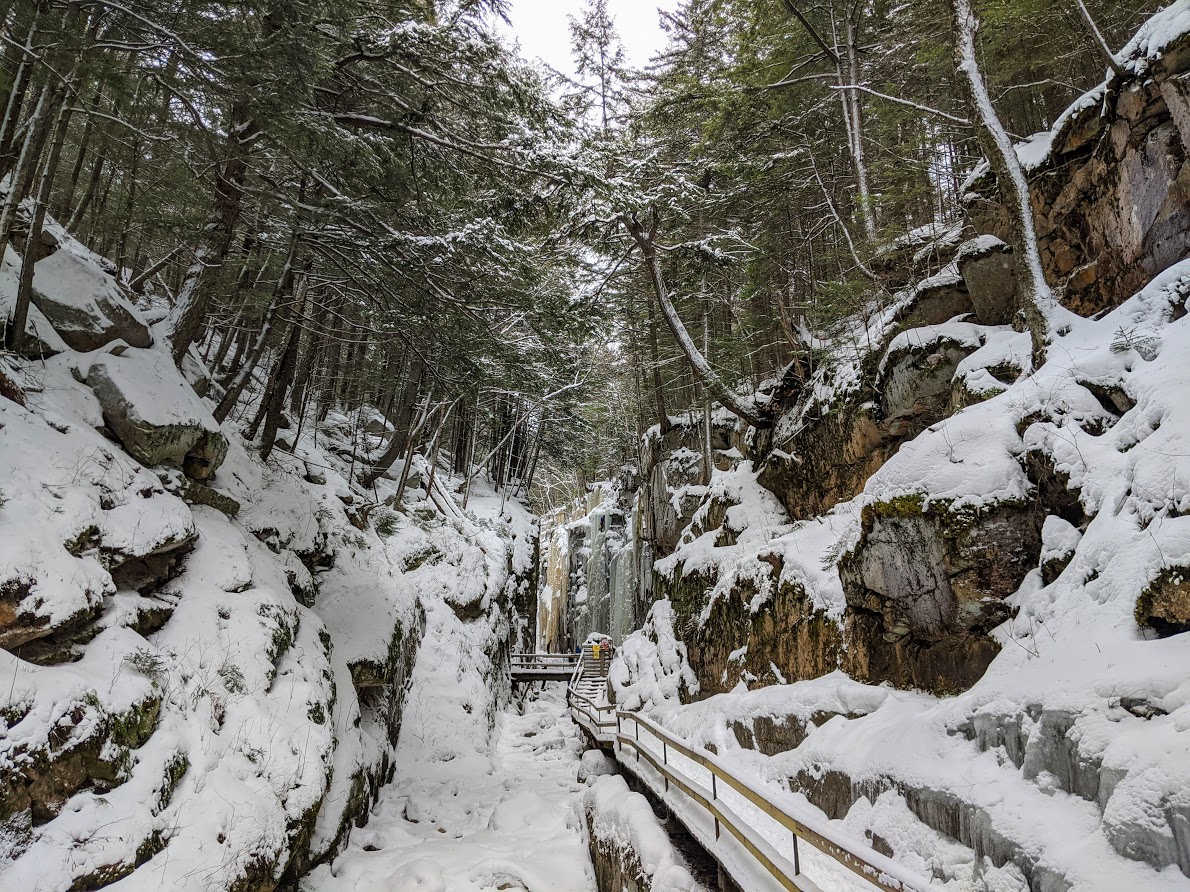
column 1164, row 605
column 743, row 637
column 1111, row 195
column 988, row 269
column 630, row 850
column 927, row 583
column 90, row 746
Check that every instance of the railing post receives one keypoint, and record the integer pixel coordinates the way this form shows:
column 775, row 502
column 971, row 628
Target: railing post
column 715, row 797
column 665, row 761
column 797, row 864
column 636, row 724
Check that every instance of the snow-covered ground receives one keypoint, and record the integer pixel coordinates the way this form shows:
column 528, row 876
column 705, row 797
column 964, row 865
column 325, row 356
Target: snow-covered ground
column 473, row 807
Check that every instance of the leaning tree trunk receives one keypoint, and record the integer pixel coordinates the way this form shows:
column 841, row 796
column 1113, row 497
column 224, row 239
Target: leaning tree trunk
column 185, row 318
column 1035, row 299
column 655, row 362
column 20, row 315
column 723, row 393
column 283, row 378
column 406, row 429
column 15, row 98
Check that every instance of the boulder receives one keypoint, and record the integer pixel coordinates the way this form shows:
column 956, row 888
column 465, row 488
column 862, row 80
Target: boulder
column 1059, row 539
column 917, row 372
column 155, row 414
column 27, row 613
column 85, row 304
column 196, row 493
column 935, row 300
column 988, row 268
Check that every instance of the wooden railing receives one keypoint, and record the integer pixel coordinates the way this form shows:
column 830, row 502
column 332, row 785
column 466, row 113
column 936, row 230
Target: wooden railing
column 562, row 661
column 665, row 753
column 543, row 667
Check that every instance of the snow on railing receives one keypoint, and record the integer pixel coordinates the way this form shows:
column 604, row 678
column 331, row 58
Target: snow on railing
column 765, row 830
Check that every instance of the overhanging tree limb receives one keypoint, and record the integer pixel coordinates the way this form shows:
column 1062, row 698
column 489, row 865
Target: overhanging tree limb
column 645, row 240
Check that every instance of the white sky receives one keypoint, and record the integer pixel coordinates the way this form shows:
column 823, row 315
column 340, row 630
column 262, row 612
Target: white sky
column 540, row 27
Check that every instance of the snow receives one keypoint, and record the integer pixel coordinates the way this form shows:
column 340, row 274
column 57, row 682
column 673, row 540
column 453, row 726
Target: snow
column 1155, row 35
column 472, row 808
column 964, row 334
column 650, row 670
column 627, row 819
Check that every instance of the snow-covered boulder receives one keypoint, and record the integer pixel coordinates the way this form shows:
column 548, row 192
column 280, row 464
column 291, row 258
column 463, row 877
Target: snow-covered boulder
column 85, row 304
column 917, row 371
column 935, row 300
column 1059, row 539
column 988, row 269
column 155, row 414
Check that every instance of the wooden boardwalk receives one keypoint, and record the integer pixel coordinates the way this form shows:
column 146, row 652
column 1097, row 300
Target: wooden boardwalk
column 734, row 818
column 543, row 667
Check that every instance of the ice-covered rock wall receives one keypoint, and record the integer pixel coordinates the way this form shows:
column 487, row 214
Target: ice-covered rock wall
column 591, row 570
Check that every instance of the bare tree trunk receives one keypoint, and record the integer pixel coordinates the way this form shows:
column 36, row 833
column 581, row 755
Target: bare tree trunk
column 655, row 361
column 282, row 379
column 1036, row 301
column 20, row 316
column 1097, row 39
column 37, row 131
column 16, row 94
column 851, row 112
column 137, row 285
column 724, row 394
column 281, row 291
column 301, row 383
column 182, row 324
column 377, row 472
column 866, row 210
column 402, row 439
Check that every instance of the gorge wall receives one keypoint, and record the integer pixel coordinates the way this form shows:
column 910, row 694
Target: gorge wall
column 917, row 581
column 208, row 652
column 944, row 597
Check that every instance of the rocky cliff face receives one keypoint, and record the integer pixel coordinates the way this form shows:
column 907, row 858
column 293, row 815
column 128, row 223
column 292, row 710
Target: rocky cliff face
column 1111, row 183
column 951, row 582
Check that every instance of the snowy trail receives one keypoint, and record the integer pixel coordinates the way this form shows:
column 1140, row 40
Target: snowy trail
column 464, row 814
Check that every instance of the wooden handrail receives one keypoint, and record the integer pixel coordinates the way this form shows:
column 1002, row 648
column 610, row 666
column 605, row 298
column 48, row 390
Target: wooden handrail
column 874, row 868
column 871, row 866
column 724, row 815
